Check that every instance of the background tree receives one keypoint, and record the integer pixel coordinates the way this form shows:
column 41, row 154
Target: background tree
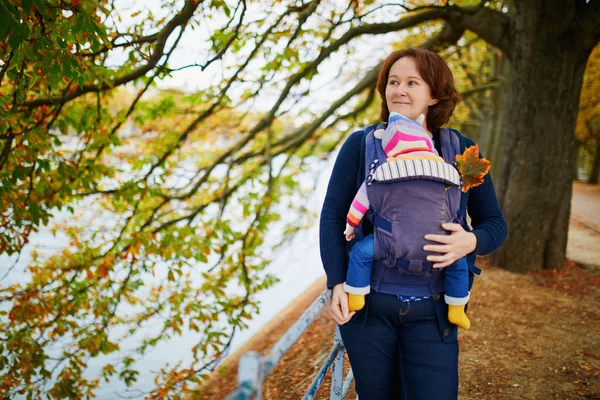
column 547, row 44
column 181, row 197
column 587, row 130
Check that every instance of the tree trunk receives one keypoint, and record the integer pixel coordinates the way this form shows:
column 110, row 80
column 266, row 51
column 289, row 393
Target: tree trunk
column 595, row 165
column 534, row 185
column 500, row 103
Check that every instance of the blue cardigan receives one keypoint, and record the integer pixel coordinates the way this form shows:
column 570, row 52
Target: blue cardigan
column 348, row 174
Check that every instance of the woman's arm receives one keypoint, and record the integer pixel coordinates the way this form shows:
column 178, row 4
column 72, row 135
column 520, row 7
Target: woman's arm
column 340, row 193
column 487, row 219
column 489, row 227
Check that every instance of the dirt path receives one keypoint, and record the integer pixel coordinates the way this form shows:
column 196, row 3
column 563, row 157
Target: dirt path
column 533, row 337
column 584, row 231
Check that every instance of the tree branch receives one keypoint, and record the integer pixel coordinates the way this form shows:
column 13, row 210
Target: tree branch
column 446, row 37
column 492, row 84
column 141, row 40
column 178, row 21
column 183, row 137
column 448, row 34
column 491, row 25
column 7, row 147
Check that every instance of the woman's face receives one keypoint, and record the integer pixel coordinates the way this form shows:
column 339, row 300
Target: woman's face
column 406, row 92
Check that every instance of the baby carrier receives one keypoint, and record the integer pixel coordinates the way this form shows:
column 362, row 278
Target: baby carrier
column 409, row 199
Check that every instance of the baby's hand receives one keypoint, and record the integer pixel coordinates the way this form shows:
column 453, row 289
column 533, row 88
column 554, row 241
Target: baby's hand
column 349, row 232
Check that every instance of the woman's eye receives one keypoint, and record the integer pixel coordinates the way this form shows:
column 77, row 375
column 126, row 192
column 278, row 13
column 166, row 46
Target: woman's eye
column 412, row 82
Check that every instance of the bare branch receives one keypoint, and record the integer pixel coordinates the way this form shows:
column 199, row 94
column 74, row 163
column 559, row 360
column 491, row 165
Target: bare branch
column 7, row 147
column 114, row 45
column 231, row 39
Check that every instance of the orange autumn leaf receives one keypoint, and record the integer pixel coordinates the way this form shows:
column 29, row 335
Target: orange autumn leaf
column 104, row 266
column 102, row 271
column 472, row 168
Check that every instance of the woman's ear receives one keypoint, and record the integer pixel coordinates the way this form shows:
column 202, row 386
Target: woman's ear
column 433, row 102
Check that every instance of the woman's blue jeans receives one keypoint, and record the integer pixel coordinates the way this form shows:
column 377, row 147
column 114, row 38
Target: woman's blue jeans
column 397, row 350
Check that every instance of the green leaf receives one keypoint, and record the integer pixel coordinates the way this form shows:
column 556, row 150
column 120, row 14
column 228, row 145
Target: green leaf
column 15, row 40
column 14, row 12
column 5, row 22
column 44, row 165
column 41, row 6
column 27, row 5
column 28, row 51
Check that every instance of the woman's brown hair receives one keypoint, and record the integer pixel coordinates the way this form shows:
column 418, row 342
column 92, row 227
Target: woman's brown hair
column 435, row 72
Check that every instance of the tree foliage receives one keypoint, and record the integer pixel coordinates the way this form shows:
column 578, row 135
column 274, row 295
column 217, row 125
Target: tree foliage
column 587, row 131
column 175, row 201
column 588, row 118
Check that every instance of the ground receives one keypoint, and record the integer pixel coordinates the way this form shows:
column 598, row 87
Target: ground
column 533, row 336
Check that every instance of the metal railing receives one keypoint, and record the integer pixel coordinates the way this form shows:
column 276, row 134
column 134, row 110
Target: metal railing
column 253, row 368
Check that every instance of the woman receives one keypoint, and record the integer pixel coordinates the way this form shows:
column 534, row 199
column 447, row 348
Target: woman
column 403, row 347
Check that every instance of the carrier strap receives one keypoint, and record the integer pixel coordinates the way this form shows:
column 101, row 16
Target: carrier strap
column 417, row 267
column 380, row 222
column 450, row 149
column 420, row 267
column 475, row 270
column 374, row 154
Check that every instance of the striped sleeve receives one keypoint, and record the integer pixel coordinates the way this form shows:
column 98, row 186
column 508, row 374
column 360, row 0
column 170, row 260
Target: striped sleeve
column 359, row 206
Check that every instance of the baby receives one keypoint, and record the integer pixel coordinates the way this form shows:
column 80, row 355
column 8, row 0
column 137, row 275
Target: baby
column 403, row 139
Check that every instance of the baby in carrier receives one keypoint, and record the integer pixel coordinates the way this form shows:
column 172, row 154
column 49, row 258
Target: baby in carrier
column 403, row 139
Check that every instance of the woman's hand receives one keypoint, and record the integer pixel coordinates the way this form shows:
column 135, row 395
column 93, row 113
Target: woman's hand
column 454, row 246
column 339, row 305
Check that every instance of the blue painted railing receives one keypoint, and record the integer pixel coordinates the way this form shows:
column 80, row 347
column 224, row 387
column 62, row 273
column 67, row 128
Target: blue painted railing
column 253, row 368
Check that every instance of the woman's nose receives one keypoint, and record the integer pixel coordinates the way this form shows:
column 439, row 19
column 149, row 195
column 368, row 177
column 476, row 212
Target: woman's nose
column 400, row 91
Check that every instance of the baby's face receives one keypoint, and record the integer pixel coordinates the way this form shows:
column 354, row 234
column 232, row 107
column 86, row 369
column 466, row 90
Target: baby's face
column 402, row 135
